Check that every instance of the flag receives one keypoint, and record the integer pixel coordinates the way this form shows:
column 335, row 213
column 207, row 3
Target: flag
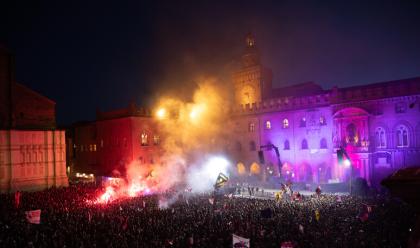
column 221, row 180
column 339, row 199
column 317, row 215
column 287, row 244
column 301, row 229
column 33, row 216
column 17, row 198
column 144, row 204
column 211, row 200
column 239, row 242
column 89, row 217
column 369, row 208
column 363, row 216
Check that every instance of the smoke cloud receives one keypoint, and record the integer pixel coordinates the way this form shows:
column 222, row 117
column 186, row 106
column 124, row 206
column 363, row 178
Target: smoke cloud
column 193, row 132
column 193, row 142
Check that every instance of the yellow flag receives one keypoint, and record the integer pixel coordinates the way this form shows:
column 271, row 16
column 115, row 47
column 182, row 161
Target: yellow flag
column 279, row 195
column 317, row 215
column 221, row 180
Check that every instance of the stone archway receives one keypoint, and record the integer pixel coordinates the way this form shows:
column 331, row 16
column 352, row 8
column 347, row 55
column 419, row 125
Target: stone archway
column 240, row 167
column 255, row 169
column 351, row 127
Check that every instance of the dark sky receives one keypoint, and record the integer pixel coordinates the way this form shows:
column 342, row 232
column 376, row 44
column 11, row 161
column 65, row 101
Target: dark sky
column 93, row 54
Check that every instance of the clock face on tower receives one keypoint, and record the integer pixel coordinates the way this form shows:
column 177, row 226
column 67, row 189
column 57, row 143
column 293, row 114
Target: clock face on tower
column 247, row 95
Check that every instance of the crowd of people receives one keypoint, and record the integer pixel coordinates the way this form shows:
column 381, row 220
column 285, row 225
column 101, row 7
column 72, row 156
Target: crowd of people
column 70, row 219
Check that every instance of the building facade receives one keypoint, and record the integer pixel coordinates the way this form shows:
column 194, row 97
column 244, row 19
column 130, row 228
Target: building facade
column 377, row 124
column 116, row 139
column 32, row 150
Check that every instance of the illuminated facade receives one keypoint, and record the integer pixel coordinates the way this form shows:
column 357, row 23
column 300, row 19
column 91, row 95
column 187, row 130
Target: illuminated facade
column 32, row 150
column 378, row 124
column 106, row 146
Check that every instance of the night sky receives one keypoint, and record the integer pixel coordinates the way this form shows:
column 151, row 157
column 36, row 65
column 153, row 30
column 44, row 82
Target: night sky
column 91, row 54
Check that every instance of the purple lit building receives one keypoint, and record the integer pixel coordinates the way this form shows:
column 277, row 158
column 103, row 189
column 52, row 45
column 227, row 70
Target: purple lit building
column 378, row 124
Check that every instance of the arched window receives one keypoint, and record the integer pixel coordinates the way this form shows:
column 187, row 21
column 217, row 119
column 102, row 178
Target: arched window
column 255, row 168
column 304, row 144
column 323, row 143
column 402, row 136
column 351, row 134
column 144, row 139
column 252, row 146
column 322, row 121
column 251, row 127
column 268, row 125
column 286, row 145
column 241, row 168
column 380, row 138
column 285, row 123
column 302, row 122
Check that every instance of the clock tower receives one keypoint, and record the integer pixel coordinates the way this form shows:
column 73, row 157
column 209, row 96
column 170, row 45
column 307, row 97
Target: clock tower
column 252, row 81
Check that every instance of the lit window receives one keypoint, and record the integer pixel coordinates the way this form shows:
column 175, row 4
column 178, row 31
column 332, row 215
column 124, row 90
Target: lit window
column 267, row 125
column 102, row 143
column 304, row 144
column 144, row 139
column 352, row 136
column 402, row 136
column 322, row 121
column 94, row 147
column 252, row 146
column 303, row 122
column 380, row 138
column 323, row 143
column 285, row 123
column 156, row 140
column 286, row 145
column 90, row 147
column 251, row 127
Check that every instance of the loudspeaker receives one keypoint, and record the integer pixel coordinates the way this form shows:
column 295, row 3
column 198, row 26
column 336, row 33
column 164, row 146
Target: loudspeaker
column 261, row 157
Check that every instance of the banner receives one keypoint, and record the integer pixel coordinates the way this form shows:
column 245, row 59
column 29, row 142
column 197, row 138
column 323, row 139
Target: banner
column 33, row 216
column 221, row 180
column 211, row 200
column 240, row 242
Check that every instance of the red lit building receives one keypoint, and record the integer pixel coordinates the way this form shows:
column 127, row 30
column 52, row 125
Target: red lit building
column 114, row 140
